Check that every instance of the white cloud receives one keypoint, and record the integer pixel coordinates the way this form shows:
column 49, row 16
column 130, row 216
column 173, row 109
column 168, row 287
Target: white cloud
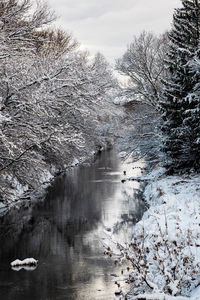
column 82, row 9
column 109, row 25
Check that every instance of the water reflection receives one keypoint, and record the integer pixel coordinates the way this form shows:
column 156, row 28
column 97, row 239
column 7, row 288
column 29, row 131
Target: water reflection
column 64, row 232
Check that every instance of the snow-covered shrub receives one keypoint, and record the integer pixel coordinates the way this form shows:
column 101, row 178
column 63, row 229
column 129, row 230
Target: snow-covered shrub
column 163, row 258
column 155, row 263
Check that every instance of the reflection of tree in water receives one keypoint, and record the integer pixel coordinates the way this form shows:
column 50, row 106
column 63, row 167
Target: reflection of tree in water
column 133, row 216
column 73, row 205
column 53, row 232
column 60, row 233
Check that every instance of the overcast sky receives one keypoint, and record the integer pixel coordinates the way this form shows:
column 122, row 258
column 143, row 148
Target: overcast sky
column 108, row 26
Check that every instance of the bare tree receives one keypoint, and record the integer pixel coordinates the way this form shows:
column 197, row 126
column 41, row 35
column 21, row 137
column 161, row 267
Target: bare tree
column 52, row 97
column 143, row 63
column 56, row 41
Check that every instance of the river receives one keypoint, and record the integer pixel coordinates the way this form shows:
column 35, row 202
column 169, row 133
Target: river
column 65, row 233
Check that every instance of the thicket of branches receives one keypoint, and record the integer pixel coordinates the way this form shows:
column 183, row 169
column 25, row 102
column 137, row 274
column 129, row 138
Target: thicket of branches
column 143, row 66
column 52, row 97
column 155, row 265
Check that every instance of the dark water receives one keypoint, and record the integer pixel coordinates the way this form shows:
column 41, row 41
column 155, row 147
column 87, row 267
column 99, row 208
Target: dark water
column 65, row 234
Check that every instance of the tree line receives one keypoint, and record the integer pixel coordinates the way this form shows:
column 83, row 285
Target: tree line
column 164, row 74
column 56, row 103
column 54, row 99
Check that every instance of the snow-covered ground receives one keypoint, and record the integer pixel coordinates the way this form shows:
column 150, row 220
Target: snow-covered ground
column 163, row 257
column 170, row 234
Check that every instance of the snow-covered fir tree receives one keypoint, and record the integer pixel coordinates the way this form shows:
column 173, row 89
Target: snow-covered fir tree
column 180, row 101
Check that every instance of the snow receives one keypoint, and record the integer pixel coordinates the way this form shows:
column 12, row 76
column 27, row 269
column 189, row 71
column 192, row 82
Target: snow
column 158, row 296
column 75, row 162
column 16, row 262
column 174, row 215
column 196, row 294
column 25, row 262
column 164, row 254
column 17, row 188
column 2, row 206
column 25, row 267
column 45, row 177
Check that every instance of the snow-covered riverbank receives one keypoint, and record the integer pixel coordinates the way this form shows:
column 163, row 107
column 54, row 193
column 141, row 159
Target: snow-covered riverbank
column 165, row 251
column 19, row 194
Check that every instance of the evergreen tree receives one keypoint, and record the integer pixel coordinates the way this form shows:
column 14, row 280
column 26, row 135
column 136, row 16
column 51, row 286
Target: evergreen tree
column 180, row 102
column 191, row 123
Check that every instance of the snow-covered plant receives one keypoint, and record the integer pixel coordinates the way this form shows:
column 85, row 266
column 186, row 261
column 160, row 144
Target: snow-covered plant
column 180, row 100
column 156, row 263
column 140, row 134
column 53, row 98
column 143, row 64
